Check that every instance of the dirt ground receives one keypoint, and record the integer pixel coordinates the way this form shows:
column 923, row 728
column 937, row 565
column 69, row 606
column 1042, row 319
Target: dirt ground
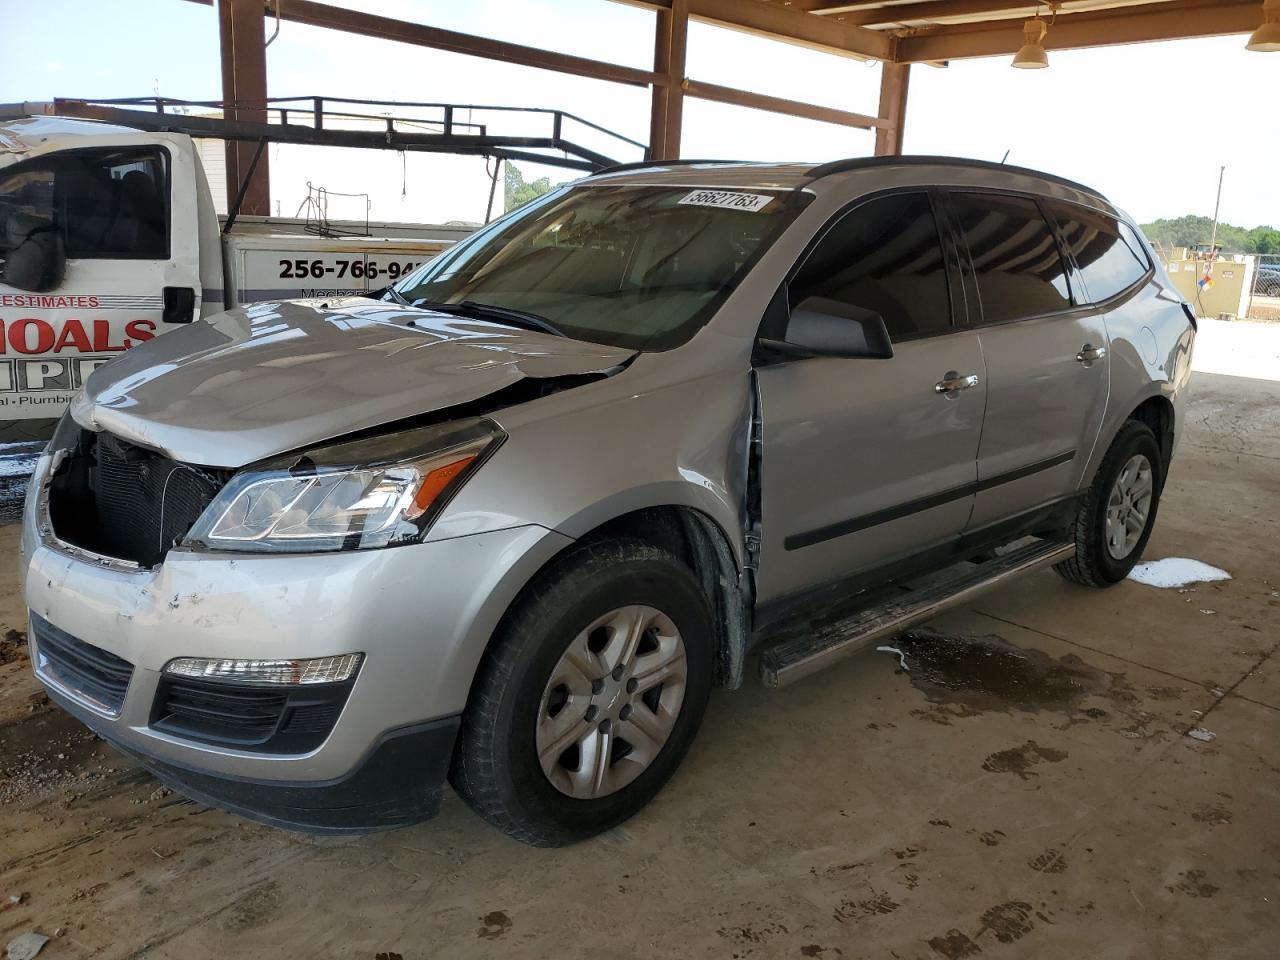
column 1028, row 788
column 1264, row 308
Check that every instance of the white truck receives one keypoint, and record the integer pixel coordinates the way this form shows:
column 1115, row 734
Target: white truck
column 109, row 237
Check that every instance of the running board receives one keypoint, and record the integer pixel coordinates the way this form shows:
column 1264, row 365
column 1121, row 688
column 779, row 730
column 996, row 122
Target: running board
column 799, row 656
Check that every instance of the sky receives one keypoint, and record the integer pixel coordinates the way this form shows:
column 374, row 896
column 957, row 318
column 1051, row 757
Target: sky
column 1149, row 125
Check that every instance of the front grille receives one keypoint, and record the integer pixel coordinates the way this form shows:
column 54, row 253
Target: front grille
column 267, row 719
column 83, row 670
column 121, row 500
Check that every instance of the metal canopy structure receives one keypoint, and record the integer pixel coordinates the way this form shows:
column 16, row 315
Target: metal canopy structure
column 344, row 122
column 896, row 32
column 931, row 31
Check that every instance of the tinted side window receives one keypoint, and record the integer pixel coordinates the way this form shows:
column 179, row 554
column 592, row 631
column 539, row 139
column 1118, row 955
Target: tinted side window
column 1015, row 257
column 26, row 192
column 886, row 256
column 107, row 204
column 1109, row 261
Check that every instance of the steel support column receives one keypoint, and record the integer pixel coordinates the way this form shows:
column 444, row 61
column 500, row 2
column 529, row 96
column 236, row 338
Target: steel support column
column 667, row 114
column 244, row 91
column 893, row 108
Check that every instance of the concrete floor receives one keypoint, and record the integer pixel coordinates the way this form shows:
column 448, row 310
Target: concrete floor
column 1027, row 790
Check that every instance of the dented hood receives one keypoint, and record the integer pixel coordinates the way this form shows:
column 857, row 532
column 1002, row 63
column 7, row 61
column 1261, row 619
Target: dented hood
column 272, row 377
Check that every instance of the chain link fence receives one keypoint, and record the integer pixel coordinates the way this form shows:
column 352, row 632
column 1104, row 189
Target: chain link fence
column 1264, row 302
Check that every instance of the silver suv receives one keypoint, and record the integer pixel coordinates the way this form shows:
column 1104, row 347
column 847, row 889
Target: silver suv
column 507, row 523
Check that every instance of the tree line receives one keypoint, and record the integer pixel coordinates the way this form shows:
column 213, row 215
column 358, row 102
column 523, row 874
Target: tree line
column 517, row 191
column 1189, row 230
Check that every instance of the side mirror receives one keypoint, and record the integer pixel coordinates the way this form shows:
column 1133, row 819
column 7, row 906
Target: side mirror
column 37, row 259
column 828, row 328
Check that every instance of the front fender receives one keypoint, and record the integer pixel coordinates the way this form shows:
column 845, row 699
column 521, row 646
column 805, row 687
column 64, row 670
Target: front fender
column 581, row 458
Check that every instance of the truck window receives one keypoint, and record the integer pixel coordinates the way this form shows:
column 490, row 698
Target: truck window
column 107, row 204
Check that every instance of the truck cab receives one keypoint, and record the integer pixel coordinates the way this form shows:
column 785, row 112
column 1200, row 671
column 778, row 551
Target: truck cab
column 109, row 237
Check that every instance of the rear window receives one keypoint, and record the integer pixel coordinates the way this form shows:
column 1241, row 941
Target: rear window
column 1015, row 257
column 1111, row 259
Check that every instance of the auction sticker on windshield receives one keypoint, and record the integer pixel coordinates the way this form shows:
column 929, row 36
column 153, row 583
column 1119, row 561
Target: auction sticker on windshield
column 729, row 199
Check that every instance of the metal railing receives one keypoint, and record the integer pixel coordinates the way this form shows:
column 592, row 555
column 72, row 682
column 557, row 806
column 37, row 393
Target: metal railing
column 418, row 126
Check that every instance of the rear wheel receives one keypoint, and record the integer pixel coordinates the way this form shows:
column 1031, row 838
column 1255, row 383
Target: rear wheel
column 589, row 696
column 1115, row 521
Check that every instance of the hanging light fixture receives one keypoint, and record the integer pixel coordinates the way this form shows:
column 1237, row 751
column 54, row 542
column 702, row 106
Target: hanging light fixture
column 1031, row 55
column 1266, row 39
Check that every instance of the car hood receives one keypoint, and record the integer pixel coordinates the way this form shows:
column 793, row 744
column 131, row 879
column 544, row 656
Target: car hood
column 272, row 377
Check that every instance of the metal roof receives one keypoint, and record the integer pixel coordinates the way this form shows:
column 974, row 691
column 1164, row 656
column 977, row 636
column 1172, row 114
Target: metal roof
column 938, row 30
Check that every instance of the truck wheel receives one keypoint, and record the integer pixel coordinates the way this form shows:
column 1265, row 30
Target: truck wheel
column 1119, row 511
column 589, row 696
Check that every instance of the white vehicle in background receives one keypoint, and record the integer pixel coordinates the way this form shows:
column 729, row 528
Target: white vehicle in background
column 109, row 237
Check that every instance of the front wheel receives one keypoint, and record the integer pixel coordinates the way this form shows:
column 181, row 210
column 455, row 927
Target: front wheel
column 1115, row 521
column 589, row 696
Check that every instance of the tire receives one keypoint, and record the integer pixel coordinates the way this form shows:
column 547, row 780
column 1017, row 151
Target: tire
column 499, row 762
column 1095, row 563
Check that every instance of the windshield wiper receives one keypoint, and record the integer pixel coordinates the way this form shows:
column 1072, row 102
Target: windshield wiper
column 397, row 296
column 489, row 311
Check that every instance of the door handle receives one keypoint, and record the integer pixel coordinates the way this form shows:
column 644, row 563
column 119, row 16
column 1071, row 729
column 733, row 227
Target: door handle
column 1089, row 353
column 179, row 305
column 952, row 382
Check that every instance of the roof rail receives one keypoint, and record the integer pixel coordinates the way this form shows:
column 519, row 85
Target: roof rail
column 641, row 164
column 860, row 163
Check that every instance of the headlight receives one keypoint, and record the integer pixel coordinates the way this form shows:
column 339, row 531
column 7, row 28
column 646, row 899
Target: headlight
column 378, row 492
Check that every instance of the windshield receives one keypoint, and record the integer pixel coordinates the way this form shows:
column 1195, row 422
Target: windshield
column 640, row 267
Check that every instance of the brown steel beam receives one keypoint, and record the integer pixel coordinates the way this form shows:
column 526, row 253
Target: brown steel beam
column 829, row 6
column 667, row 78
column 386, row 28
column 784, row 23
column 793, row 108
column 938, row 10
column 1170, row 20
column 244, row 91
column 671, row 33
column 894, row 81
column 863, row 14
column 793, row 26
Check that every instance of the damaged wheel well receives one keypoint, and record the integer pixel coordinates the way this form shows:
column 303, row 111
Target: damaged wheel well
column 700, row 543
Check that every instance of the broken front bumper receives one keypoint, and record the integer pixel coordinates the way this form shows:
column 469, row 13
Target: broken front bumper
column 421, row 615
